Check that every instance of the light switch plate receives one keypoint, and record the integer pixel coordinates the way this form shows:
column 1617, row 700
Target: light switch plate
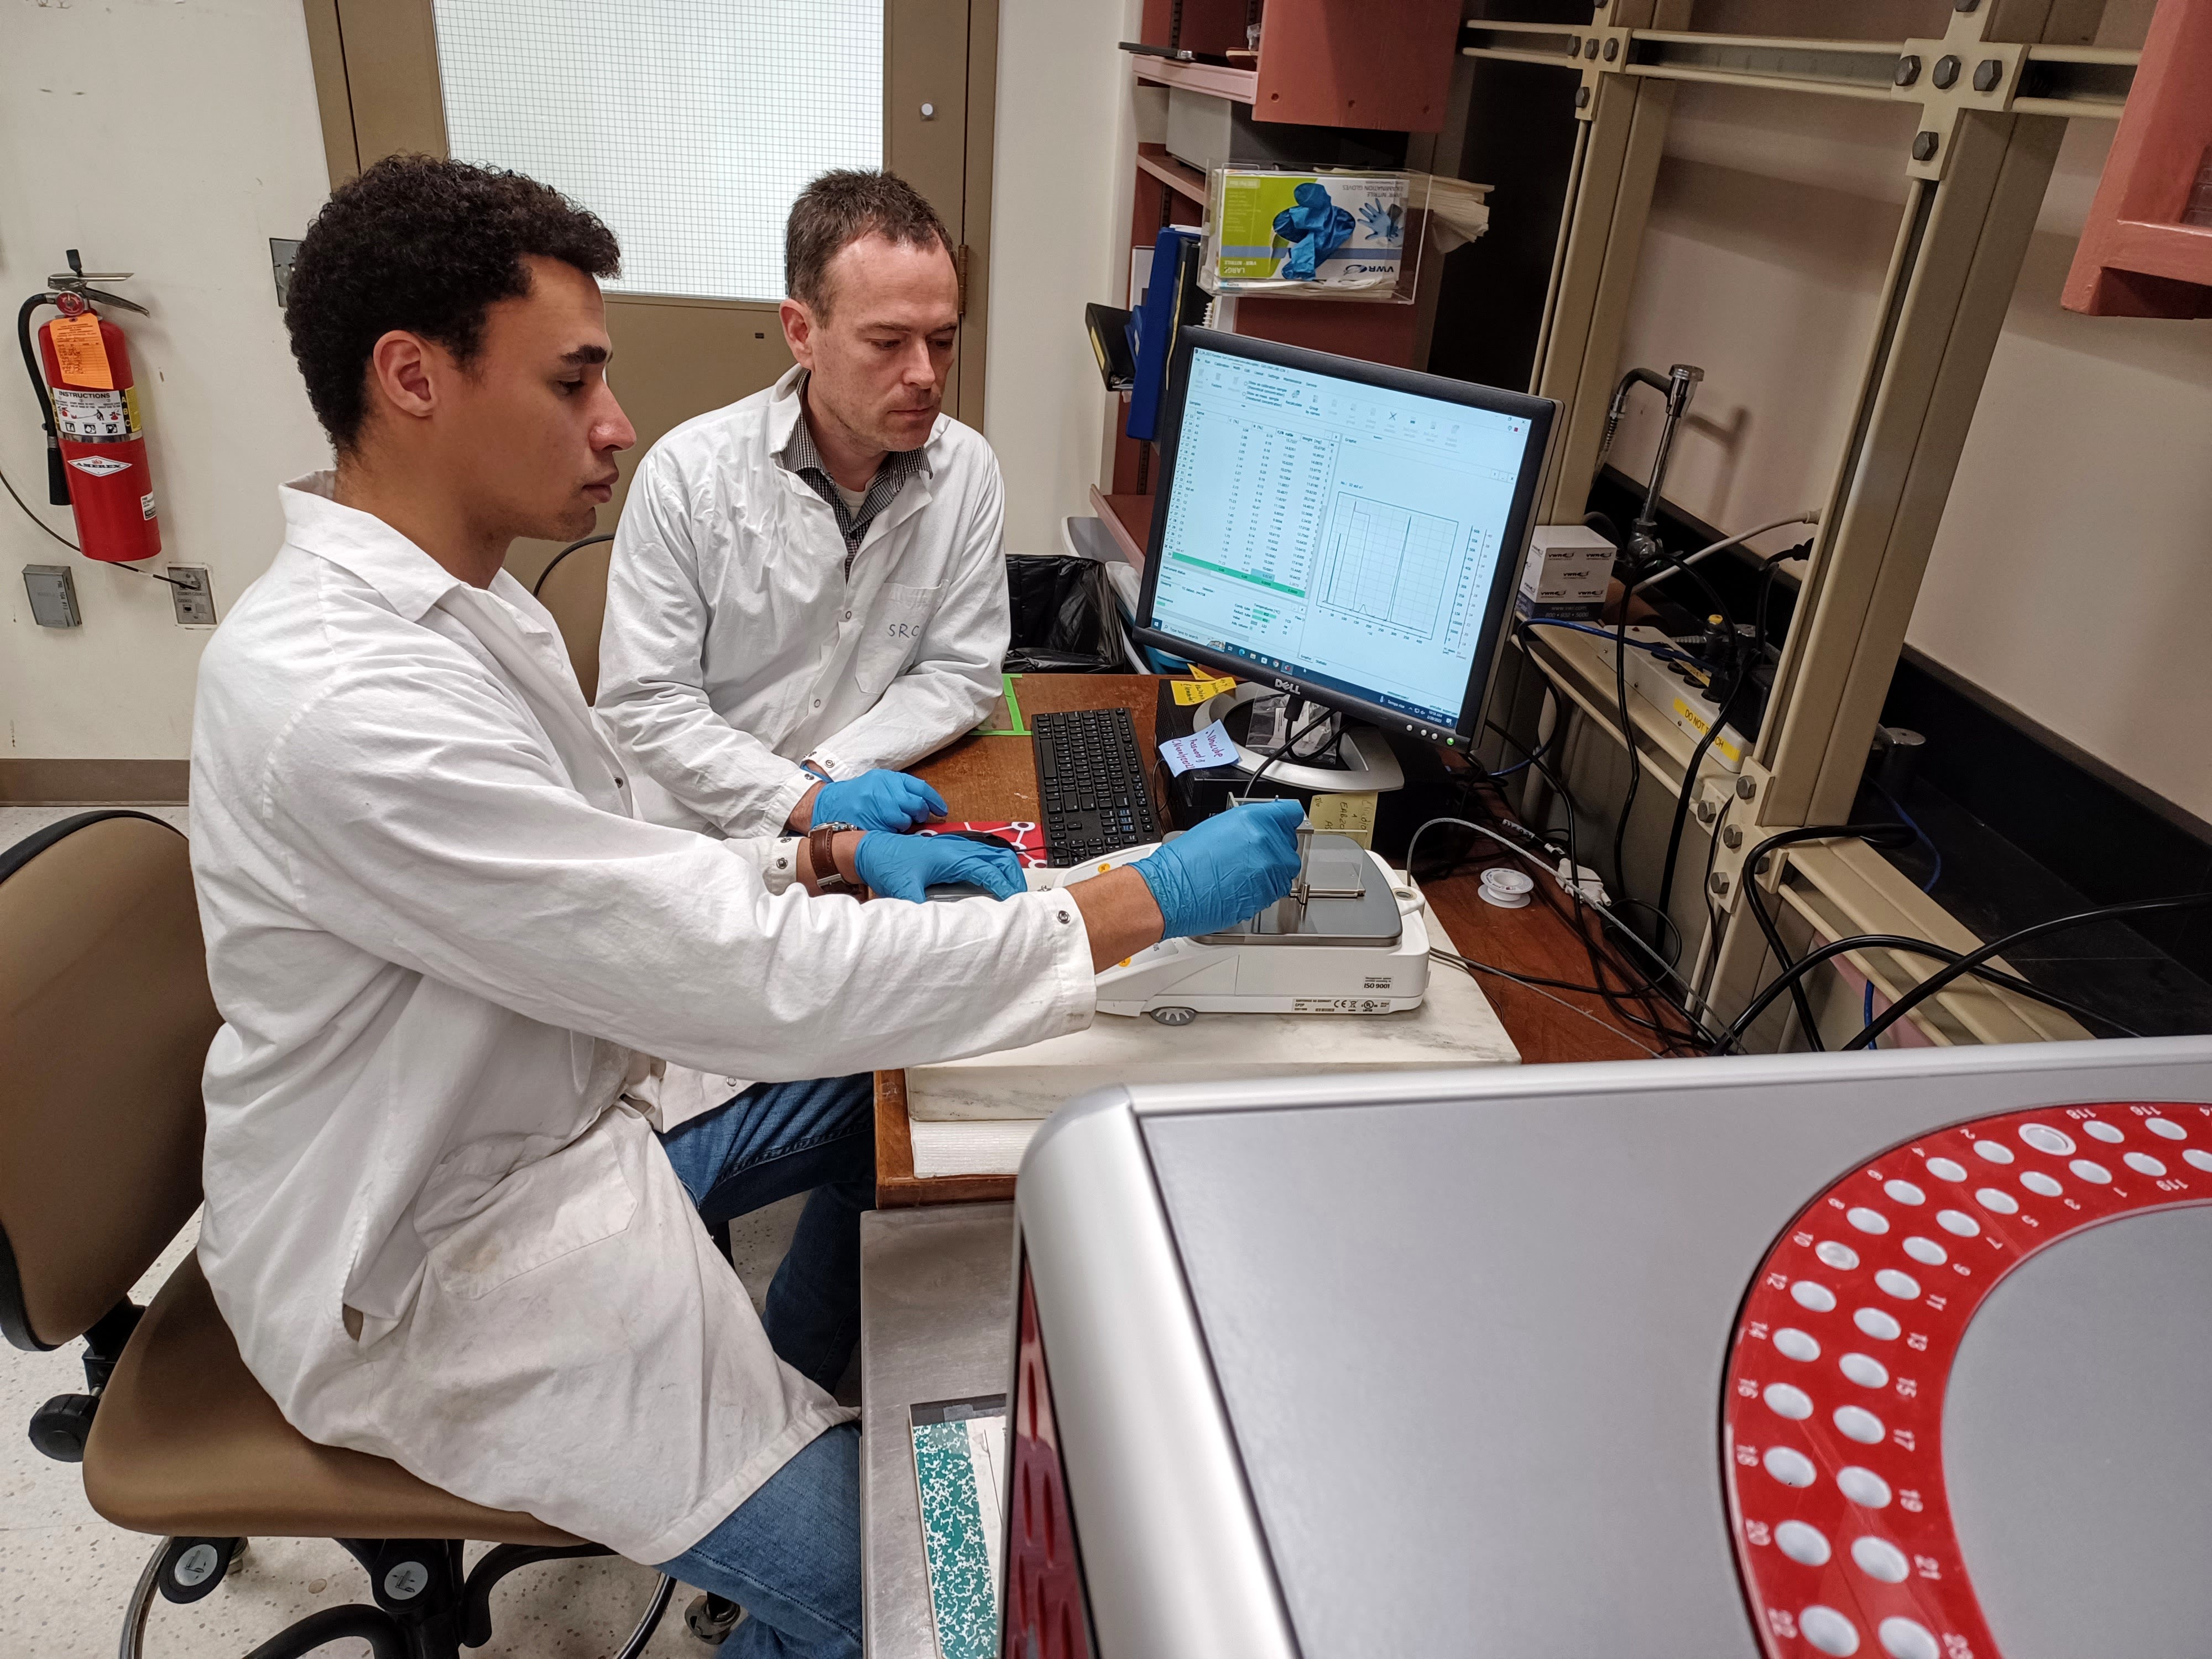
column 283, row 249
column 52, row 588
column 195, row 599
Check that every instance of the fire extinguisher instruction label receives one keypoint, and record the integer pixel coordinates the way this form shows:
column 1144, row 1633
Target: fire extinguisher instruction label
column 95, row 414
column 100, row 466
column 81, row 351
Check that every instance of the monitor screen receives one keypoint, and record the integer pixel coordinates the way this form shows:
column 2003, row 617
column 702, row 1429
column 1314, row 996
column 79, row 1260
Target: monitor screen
column 1348, row 530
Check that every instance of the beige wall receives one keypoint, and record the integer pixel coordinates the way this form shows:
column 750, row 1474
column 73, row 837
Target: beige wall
column 218, row 150
column 2067, row 577
column 1062, row 185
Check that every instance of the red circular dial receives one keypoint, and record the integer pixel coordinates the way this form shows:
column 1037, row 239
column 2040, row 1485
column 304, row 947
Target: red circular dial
column 1833, row 1420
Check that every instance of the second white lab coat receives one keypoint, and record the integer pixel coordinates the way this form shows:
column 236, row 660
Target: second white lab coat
column 736, row 645
column 442, row 949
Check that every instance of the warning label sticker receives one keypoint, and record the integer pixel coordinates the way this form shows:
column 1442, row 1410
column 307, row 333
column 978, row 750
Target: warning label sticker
column 84, row 415
column 146, row 505
column 80, row 350
column 100, row 466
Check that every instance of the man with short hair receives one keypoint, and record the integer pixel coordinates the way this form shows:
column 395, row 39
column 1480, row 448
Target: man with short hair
column 449, row 959
column 808, row 590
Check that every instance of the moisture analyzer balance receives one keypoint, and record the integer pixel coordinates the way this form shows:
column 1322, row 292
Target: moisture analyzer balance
column 1347, row 939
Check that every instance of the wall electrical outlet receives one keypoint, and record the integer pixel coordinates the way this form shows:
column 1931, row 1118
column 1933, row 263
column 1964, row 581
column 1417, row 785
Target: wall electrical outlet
column 193, row 596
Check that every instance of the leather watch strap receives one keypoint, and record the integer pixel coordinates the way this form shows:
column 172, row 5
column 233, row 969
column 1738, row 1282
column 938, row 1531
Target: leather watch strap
column 821, row 854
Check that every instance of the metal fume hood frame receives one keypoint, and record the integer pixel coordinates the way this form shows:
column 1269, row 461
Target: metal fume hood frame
column 1994, row 95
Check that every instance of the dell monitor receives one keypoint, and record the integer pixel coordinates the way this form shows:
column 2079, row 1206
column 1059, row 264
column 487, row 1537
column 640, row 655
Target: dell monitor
column 1342, row 531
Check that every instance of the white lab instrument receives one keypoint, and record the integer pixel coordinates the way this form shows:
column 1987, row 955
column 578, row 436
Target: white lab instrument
column 1348, row 939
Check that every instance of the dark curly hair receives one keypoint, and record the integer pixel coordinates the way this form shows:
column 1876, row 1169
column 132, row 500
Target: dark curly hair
column 842, row 207
column 427, row 245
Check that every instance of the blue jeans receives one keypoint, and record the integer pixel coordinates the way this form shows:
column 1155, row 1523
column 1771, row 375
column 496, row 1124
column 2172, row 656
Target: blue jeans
column 790, row 1554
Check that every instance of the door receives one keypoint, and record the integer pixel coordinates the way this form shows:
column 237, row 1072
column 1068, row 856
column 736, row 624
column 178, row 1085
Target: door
column 688, row 125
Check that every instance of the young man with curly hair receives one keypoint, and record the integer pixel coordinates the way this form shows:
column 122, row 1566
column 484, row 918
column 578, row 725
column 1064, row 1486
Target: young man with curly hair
column 808, row 589
column 450, row 958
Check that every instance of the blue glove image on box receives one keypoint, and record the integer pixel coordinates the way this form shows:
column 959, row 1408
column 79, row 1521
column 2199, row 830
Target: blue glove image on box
column 1315, row 228
column 905, row 866
column 1229, row 869
column 879, row 800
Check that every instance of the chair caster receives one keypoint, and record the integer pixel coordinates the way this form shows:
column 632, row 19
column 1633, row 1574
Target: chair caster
column 60, row 1427
column 1173, row 1016
column 193, row 1567
column 712, row 1618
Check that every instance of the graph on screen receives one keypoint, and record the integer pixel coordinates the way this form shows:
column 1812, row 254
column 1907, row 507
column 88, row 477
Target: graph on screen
column 1389, row 565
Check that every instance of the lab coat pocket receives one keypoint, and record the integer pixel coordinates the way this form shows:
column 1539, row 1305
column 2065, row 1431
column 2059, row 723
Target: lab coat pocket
column 540, row 1212
column 896, row 622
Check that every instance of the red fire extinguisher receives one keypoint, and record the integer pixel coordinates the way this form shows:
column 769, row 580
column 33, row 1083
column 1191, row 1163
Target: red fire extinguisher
column 95, row 437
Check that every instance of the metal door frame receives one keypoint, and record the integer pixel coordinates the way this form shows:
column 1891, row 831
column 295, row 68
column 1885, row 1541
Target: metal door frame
column 395, row 41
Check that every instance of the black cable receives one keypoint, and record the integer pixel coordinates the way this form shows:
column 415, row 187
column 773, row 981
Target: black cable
column 1874, row 834
column 1973, row 959
column 1745, row 654
column 1289, row 742
column 1973, row 963
column 1468, row 965
column 1627, row 731
column 1637, row 983
column 1650, row 987
column 1740, row 678
column 34, row 518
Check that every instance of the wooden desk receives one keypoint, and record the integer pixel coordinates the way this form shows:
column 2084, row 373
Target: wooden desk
column 992, row 779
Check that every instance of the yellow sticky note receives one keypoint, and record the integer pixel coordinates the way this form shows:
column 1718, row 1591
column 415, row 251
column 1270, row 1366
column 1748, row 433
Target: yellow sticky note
column 1189, row 692
column 81, row 351
column 1351, row 814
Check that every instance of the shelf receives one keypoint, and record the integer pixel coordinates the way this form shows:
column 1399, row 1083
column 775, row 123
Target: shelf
column 1237, row 86
column 1128, row 519
column 2138, row 257
column 1178, row 176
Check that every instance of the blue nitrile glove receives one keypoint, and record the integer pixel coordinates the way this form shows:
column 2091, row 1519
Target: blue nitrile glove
column 1229, row 869
column 1315, row 228
column 903, row 867
column 879, row 800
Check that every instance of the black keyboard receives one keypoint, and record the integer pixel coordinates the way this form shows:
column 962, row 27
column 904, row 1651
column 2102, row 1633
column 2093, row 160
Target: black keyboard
column 1091, row 793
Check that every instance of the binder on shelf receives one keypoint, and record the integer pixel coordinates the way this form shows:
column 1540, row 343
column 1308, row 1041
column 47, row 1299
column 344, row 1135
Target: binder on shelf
column 1173, row 300
column 1109, row 343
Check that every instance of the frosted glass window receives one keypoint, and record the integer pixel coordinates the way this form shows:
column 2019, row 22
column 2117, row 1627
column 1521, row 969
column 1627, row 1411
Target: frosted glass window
column 688, row 125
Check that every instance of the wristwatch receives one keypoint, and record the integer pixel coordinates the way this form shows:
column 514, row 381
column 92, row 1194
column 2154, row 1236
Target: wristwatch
column 821, row 855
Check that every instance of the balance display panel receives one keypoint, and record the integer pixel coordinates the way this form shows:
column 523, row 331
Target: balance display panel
column 1340, row 525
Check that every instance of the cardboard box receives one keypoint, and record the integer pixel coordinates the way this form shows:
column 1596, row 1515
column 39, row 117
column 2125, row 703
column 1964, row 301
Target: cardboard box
column 1564, row 579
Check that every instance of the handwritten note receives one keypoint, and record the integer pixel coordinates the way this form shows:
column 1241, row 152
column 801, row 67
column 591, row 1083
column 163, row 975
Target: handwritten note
column 1208, row 747
column 1190, row 693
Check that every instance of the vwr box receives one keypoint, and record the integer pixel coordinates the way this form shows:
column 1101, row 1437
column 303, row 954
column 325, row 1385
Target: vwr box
column 1564, row 579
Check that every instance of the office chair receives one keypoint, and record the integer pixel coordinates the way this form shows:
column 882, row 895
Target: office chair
column 574, row 587
column 104, row 1022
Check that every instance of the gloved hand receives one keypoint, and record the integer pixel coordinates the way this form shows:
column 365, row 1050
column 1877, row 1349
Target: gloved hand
column 901, row 866
column 879, row 800
column 1229, row 869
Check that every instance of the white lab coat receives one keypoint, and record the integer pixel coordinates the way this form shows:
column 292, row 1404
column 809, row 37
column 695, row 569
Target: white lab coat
column 441, row 947
column 735, row 646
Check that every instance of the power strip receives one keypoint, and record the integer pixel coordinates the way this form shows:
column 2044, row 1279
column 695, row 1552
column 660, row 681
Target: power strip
column 1679, row 692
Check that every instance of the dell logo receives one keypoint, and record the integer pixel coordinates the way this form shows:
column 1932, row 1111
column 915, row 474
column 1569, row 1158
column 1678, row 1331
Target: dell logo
column 1286, row 685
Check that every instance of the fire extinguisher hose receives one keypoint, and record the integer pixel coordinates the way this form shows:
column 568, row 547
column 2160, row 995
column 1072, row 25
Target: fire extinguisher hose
column 57, row 475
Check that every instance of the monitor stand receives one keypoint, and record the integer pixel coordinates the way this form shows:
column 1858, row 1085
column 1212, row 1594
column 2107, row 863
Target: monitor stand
column 1366, row 762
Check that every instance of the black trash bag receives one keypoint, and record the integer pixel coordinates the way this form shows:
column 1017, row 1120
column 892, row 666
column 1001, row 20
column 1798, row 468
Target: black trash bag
column 1063, row 616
